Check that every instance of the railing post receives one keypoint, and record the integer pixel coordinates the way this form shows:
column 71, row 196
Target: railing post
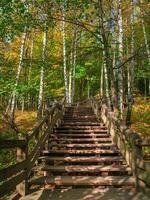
column 22, row 154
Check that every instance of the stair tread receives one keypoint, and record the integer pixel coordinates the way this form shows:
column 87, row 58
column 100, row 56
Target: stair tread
column 74, row 151
column 81, row 131
column 85, row 180
column 82, row 168
column 84, row 139
column 83, row 145
column 80, row 135
column 81, row 127
column 83, row 158
column 81, row 123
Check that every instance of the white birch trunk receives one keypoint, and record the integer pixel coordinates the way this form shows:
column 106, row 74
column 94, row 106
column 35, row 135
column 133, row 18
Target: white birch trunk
column 31, row 56
column 13, row 103
column 131, row 71
column 106, row 80
column 147, row 49
column 70, row 85
column 64, row 51
column 102, row 81
column 30, row 68
column 74, row 63
column 120, row 56
column 41, row 91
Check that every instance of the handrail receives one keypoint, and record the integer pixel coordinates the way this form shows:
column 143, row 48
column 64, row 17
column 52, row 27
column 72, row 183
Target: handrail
column 129, row 142
column 17, row 175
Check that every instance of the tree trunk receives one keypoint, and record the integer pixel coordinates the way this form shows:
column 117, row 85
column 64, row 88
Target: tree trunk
column 107, row 92
column 131, row 72
column 147, row 49
column 74, row 63
column 102, row 81
column 64, row 51
column 30, row 69
column 120, row 58
column 41, row 91
column 106, row 55
column 13, row 103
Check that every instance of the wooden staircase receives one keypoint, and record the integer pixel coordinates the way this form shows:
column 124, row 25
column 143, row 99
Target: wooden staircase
column 80, row 153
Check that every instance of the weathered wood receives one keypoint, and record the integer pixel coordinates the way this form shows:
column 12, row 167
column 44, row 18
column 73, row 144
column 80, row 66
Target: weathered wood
column 4, row 144
column 10, row 184
column 84, row 168
column 83, row 159
column 17, row 174
column 39, row 146
column 74, row 151
column 73, row 145
column 12, row 170
column 86, row 180
column 36, row 151
column 78, row 135
column 22, row 154
column 128, row 142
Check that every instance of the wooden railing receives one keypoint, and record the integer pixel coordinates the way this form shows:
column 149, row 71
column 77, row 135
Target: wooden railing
column 17, row 175
column 130, row 143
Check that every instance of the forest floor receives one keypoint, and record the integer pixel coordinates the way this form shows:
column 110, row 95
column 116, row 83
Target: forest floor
column 25, row 122
column 141, row 117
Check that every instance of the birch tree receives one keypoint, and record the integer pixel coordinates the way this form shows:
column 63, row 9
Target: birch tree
column 41, row 91
column 74, row 62
column 13, row 102
column 131, row 69
column 64, row 51
column 120, row 59
column 146, row 43
column 106, row 55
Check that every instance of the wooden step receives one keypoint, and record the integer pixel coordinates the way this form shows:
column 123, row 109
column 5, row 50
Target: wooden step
column 79, row 120
column 93, row 135
column 80, row 131
column 85, row 159
column 90, row 140
column 81, row 123
column 81, row 127
column 85, row 181
column 82, row 168
column 105, row 145
column 74, row 151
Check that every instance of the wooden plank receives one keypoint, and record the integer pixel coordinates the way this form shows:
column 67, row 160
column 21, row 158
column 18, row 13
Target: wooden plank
column 42, row 121
column 83, row 139
column 12, row 170
column 37, row 127
column 80, row 127
column 86, row 180
column 101, row 145
column 36, row 151
column 81, row 123
column 80, row 131
column 74, row 151
column 39, row 146
column 11, row 184
column 89, row 135
column 4, row 144
column 82, row 168
column 83, row 159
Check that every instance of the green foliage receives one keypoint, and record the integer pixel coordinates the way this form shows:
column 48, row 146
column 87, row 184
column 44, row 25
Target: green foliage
column 80, row 72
